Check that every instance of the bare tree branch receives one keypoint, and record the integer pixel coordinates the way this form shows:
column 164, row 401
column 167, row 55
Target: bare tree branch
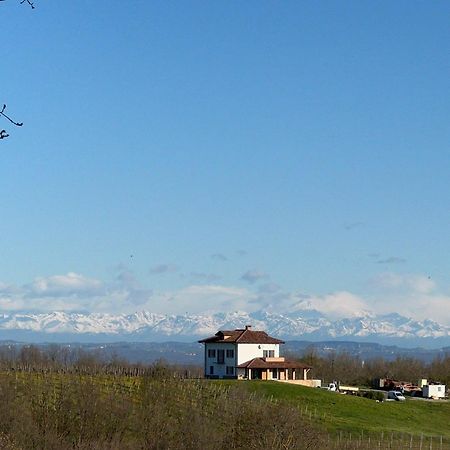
column 2, row 112
column 3, row 133
column 27, row 1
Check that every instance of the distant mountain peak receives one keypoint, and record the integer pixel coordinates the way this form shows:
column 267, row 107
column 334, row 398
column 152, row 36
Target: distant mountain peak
column 146, row 325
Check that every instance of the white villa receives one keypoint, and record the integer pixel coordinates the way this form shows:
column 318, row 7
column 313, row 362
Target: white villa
column 248, row 354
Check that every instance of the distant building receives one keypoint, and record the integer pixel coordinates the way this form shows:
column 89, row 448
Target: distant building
column 248, row 354
column 433, row 391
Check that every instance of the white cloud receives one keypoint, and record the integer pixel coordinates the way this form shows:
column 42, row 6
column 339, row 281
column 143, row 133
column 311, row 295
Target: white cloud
column 334, row 305
column 71, row 284
column 411, row 295
column 339, row 304
column 67, row 292
column 403, row 282
column 204, row 298
column 124, row 294
column 435, row 307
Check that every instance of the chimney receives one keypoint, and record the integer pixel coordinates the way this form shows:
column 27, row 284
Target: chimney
column 248, row 327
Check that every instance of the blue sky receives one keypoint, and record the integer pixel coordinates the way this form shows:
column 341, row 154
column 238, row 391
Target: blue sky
column 188, row 156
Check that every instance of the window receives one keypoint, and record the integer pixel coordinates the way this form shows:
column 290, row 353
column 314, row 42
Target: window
column 211, row 370
column 220, row 356
column 230, row 370
column 230, row 353
column 268, row 353
column 211, row 353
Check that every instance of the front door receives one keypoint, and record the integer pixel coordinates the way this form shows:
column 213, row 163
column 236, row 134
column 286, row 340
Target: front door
column 256, row 374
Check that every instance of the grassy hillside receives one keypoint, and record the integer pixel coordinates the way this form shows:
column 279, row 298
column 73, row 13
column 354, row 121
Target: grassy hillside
column 337, row 412
column 58, row 411
column 62, row 411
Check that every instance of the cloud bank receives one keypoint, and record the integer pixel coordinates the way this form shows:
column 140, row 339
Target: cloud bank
column 412, row 295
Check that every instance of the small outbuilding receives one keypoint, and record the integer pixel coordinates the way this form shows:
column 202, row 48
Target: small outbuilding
column 433, row 391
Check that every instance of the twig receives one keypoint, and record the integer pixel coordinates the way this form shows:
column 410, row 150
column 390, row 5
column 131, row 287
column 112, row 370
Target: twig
column 2, row 112
column 29, row 2
column 3, row 133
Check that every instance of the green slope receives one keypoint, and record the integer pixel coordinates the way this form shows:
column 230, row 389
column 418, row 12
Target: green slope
column 337, row 412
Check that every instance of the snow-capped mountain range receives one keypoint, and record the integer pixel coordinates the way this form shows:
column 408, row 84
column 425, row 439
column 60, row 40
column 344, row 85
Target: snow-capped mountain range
column 147, row 326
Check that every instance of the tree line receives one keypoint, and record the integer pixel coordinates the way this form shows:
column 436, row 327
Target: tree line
column 339, row 366
column 72, row 359
column 351, row 369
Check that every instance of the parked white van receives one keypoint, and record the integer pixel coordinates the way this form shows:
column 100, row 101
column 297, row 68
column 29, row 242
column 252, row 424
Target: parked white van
column 396, row 395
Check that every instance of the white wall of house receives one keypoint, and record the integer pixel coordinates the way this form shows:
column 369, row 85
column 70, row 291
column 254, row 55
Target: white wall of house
column 242, row 354
column 220, row 370
column 246, row 352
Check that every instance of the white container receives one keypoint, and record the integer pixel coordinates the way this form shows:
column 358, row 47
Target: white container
column 433, row 391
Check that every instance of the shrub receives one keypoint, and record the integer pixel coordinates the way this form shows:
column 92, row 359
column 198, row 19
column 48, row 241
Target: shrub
column 374, row 395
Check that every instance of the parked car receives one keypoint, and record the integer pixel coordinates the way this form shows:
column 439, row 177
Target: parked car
column 396, row 395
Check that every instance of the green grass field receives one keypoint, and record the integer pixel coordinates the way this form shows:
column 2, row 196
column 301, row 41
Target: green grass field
column 336, row 412
column 56, row 411
column 59, row 411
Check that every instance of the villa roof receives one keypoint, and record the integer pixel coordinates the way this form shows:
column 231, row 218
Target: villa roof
column 261, row 363
column 244, row 336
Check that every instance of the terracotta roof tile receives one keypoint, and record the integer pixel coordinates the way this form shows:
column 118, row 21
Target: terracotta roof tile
column 261, row 363
column 245, row 336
